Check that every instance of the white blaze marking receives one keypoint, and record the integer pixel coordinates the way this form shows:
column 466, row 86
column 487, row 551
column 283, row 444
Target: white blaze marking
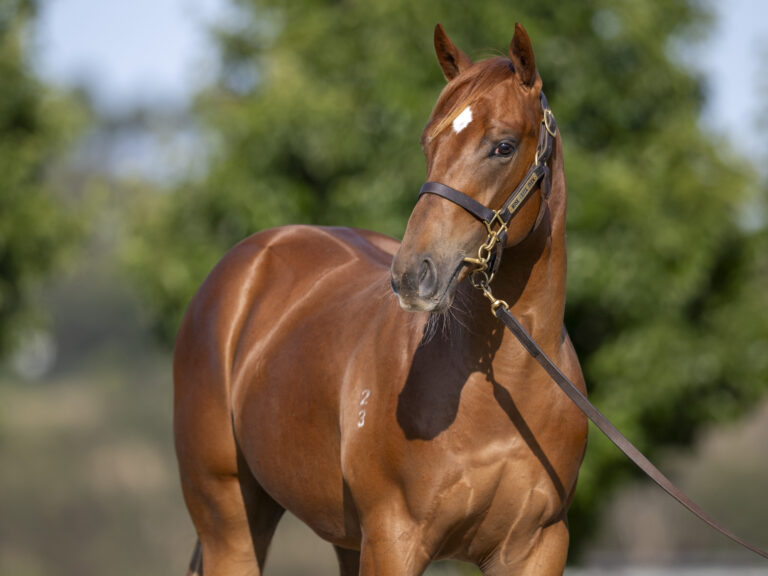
column 462, row 120
column 363, row 401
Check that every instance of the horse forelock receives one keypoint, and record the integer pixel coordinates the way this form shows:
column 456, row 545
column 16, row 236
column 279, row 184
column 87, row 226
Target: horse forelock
column 465, row 90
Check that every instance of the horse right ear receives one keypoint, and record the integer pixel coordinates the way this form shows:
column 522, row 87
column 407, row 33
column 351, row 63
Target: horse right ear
column 521, row 54
column 452, row 60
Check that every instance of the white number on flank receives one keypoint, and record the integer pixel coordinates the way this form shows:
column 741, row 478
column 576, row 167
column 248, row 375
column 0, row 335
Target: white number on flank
column 363, row 402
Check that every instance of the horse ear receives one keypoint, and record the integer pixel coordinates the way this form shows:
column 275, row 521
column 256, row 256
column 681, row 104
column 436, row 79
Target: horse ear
column 452, row 60
column 521, row 54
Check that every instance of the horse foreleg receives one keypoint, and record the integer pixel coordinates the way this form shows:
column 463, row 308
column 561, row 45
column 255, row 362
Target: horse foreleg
column 392, row 546
column 547, row 556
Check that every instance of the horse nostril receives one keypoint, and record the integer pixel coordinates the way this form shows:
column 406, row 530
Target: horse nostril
column 427, row 278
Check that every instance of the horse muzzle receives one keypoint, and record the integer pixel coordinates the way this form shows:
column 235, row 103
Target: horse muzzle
column 423, row 283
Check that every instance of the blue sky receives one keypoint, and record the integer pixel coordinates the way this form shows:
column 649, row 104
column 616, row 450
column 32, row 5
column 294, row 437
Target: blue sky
column 128, row 51
column 733, row 60
column 158, row 52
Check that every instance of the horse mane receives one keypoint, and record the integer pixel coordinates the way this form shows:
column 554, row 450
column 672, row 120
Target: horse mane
column 464, row 90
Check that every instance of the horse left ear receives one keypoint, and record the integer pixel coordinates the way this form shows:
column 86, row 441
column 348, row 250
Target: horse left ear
column 521, row 54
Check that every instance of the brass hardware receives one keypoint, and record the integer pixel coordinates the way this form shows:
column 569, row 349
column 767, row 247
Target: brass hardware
column 496, row 219
column 548, row 119
column 474, row 261
column 498, row 304
column 480, row 277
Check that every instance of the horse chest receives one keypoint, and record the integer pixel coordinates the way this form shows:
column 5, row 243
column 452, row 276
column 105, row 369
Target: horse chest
column 455, row 465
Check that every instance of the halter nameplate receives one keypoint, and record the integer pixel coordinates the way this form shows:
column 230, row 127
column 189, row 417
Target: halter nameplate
column 516, row 201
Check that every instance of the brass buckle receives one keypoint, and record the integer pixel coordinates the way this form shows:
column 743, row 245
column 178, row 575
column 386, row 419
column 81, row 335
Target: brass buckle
column 497, row 219
column 496, row 304
column 479, row 279
column 475, row 262
column 549, row 122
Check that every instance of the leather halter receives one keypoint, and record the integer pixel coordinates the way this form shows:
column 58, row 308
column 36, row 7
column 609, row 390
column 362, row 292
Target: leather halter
column 496, row 222
column 538, row 175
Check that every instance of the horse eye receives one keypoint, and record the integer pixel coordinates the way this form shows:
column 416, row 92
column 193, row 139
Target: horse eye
column 504, row 149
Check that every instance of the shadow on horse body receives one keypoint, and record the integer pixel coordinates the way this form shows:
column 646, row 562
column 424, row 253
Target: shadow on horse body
column 402, row 426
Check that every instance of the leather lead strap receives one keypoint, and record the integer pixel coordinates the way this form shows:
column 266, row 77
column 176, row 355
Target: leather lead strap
column 611, row 431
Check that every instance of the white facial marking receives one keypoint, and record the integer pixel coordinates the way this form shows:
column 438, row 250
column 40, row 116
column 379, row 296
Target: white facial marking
column 462, row 120
column 361, row 414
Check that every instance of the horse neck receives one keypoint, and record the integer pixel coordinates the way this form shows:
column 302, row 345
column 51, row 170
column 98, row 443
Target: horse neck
column 531, row 277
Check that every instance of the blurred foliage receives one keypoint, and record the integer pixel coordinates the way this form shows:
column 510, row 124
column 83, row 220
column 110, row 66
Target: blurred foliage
column 316, row 118
column 36, row 223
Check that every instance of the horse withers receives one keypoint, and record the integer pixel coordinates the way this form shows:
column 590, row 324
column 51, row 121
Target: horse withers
column 400, row 429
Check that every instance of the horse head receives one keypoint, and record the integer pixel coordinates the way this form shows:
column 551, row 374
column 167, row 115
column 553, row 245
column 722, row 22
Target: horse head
column 482, row 139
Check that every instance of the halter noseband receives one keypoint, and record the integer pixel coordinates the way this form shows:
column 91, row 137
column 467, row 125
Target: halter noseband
column 497, row 221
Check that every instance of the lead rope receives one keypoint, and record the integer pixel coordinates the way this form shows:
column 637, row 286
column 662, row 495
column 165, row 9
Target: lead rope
column 481, row 277
column 501, row 311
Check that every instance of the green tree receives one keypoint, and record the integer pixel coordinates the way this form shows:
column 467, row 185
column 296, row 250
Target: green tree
column 316, row 118
column 35, row 125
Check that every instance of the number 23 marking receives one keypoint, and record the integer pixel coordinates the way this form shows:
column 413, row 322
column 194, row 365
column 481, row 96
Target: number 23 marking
column 363, row 402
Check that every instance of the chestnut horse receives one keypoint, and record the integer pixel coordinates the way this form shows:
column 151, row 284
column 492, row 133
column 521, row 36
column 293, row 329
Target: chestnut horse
column 399, row 433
